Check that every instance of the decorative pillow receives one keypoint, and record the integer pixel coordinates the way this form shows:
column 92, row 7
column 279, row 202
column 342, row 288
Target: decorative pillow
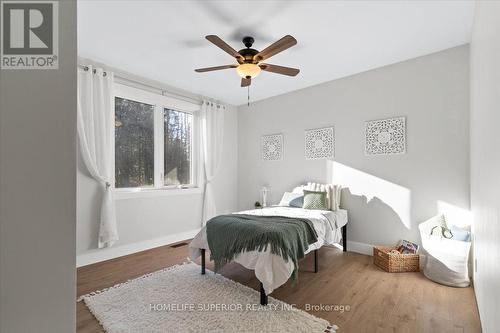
column 332, row 193
column 292, row 200
column 439, row 231
column 438, row 227
column 317, row 187
column 440, row 220
column 460, row 234
column 315, row 200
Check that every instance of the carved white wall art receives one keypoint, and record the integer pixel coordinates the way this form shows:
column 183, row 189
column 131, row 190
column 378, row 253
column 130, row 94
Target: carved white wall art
column 385, row 136
column 272, row 147
column 319, row 143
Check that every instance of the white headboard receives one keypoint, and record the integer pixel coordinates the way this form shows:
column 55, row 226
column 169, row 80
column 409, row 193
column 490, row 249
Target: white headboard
column 332, row 192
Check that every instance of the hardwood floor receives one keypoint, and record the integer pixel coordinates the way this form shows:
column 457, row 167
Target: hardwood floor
column 378, row 301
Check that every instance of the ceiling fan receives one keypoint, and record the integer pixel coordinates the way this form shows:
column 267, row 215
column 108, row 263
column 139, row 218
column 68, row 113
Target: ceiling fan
column 249, row 60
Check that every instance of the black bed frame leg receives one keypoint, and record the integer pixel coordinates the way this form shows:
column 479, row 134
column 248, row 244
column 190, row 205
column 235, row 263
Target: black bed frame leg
column 202, row 261
column 344, row 238
column 263, row 296
column 315, row 261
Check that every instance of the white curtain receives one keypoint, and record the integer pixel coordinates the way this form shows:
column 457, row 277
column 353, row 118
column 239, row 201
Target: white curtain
column 212, row 136
column 95, row 133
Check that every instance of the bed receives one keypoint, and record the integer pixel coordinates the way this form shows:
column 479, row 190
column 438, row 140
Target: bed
column 271, row 269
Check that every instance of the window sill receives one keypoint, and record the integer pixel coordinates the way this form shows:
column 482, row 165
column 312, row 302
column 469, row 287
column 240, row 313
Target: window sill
column 122, row 194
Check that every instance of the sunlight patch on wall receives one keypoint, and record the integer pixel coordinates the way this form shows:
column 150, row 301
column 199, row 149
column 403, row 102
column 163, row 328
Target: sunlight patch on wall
column 363, row 184
column 454, row 215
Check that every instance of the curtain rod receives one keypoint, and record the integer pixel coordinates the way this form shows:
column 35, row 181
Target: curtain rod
column 162, row 90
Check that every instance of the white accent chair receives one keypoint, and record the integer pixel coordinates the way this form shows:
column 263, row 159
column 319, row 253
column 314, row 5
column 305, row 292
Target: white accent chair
column 446, row 260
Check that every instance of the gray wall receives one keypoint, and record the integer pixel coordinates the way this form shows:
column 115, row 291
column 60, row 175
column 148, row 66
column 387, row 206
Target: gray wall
column 143, row 219
column 387, row 196
column 37, row 191
column 485, row 159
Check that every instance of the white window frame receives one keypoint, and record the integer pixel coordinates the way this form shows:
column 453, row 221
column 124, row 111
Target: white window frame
column 161, row 103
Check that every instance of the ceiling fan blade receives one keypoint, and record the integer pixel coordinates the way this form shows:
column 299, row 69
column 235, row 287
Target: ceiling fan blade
column 224, row 46
column 245, row 82
column 281, row 45
column 216, row 68
column 279, row 69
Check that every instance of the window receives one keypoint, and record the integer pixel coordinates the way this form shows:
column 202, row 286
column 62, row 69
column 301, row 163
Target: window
column 177, row 147
column 155, row 141
column 134, row 143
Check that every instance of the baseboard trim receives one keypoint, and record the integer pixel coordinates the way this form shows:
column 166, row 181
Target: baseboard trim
column 358, row 247
column 99, row 255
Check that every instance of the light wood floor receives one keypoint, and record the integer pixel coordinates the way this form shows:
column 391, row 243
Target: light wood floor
column 379, row 301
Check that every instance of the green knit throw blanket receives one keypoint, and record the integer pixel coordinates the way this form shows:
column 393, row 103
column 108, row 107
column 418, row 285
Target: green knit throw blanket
column 229, row 235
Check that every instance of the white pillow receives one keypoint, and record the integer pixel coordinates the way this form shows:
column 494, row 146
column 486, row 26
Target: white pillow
column 292, row 199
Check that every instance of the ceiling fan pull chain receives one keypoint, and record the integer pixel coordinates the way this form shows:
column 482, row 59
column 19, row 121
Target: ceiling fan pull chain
column 248, row 96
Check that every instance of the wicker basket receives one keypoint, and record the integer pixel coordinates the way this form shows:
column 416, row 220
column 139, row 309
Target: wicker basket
column 393, row 262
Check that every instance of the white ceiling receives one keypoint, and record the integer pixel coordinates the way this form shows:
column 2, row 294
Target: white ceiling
column 164, row 40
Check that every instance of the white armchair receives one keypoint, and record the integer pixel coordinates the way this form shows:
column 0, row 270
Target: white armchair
column 446, row 260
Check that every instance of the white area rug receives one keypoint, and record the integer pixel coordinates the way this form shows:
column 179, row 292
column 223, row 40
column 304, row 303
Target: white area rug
column 179, row 299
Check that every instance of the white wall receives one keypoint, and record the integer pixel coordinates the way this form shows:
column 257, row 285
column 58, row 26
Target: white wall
column 153, row 221
column 37, row 191
column 485, row 159
column 387, row 196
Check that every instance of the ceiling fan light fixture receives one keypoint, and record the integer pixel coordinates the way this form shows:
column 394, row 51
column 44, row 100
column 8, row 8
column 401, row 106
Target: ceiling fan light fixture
column 248, row 70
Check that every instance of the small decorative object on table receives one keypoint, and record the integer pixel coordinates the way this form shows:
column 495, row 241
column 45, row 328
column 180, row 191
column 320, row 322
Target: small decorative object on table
column 393, row 260
column 257, row 205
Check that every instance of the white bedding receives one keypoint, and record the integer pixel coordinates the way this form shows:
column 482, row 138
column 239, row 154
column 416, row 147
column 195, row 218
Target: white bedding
column 270, row 269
